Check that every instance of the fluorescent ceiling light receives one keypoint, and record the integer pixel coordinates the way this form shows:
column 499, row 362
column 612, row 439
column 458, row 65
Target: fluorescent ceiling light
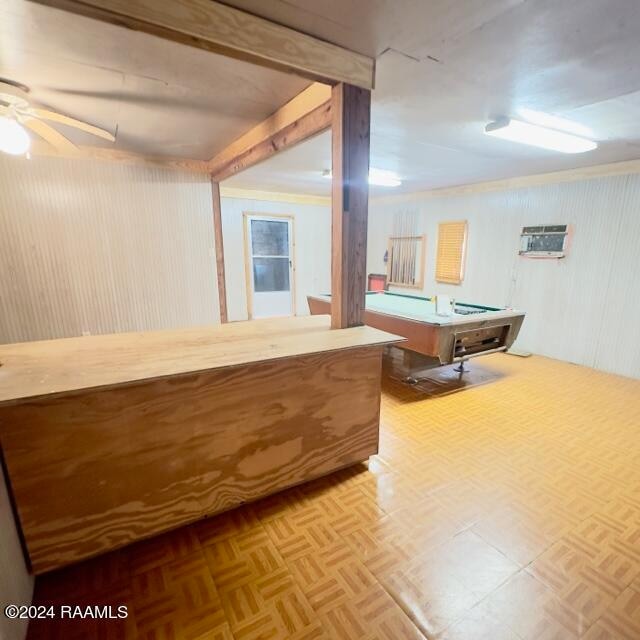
column 383, row 178
column 555, row 122
column 13, row 137
column 537, row 136
column 378, row 177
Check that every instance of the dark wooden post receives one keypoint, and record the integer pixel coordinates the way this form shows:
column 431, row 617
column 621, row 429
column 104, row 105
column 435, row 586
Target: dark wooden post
column 219, row 245
column 351, row 111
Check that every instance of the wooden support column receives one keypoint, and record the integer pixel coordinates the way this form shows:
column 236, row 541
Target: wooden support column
column 351, row 111
column 219, row 245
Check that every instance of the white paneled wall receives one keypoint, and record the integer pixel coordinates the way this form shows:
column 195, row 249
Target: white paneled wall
column 101, row 247
column 584, row 308
column 97, row 247
column 312, row 235
column 16, row 585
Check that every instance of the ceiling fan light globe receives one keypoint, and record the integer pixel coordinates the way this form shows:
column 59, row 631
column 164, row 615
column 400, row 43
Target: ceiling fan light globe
column 13, row 138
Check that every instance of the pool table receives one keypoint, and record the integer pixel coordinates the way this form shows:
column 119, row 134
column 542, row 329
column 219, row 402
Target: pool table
column 472, row 330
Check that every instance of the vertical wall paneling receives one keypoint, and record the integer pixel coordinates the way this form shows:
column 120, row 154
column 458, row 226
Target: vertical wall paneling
column 618, row 345
column 16, row 585
column 312, row 229
column 583, row 308
column 102, row 247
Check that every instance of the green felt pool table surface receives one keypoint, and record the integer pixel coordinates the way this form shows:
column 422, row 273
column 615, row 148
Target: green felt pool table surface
column 424, row 309
column 471, row 330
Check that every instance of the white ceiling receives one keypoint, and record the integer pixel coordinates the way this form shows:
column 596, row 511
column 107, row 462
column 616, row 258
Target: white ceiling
column 163, row 98
column 444, row 69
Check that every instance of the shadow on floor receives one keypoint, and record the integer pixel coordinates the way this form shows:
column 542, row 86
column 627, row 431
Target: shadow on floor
column 431, row 381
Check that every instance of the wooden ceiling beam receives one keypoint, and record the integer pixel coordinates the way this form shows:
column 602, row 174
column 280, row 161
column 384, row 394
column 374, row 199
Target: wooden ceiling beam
column 213, row 26
column 307, row 115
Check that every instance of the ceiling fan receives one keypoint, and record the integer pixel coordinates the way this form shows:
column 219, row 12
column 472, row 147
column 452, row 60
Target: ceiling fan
column 17, row 114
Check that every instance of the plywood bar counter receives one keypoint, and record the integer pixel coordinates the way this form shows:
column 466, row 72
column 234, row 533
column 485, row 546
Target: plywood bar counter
column 109, row 439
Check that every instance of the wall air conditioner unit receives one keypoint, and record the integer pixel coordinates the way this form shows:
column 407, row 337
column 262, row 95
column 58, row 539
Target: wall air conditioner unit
column 546, row 241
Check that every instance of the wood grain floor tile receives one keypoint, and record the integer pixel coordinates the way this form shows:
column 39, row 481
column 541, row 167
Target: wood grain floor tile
column 532, row 611
column 622, row 619
column 477, row 624
column 509, row 511
column 598, row 632
column 519, row 542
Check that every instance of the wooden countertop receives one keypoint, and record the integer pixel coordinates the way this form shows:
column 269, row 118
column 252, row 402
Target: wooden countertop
column 33, row 369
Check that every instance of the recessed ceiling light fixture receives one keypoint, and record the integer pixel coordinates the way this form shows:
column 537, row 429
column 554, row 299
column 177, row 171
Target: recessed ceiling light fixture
column 378, row 177
column 13, row 138
column 537, row 136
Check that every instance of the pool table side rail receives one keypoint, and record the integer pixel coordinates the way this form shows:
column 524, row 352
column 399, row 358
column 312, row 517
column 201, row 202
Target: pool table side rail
column 428, row 299
column 436, row 341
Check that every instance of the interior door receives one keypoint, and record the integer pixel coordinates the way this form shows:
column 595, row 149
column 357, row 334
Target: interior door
column 270, row 265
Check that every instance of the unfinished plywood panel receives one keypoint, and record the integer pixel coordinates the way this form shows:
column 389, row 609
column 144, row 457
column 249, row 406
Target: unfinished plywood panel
column 34, row 369
column 108, row 439
column 95, row 471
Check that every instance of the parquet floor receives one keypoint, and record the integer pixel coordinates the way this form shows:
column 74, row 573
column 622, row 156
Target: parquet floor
column 509, row 511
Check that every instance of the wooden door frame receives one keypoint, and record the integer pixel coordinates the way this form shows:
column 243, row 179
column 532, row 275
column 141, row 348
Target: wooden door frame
column 247, row 259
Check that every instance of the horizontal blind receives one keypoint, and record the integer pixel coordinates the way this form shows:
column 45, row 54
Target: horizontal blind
column 452, row 238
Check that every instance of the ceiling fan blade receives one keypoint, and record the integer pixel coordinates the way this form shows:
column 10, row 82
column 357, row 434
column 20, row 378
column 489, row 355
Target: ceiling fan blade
column 49, row 134
column 45, row 114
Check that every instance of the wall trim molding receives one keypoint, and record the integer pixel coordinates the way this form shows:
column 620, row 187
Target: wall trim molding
column 626, row 167
column 273, row 196
column 109, row 154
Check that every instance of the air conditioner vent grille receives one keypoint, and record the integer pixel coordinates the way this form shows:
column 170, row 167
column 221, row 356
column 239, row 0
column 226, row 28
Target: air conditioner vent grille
column 544, row 241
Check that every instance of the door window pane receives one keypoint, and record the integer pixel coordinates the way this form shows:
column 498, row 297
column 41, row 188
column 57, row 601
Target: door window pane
column 269, row 238
column 270, row 274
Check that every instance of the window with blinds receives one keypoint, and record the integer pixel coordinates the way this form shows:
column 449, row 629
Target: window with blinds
column 405, row 264
column 452, row 245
